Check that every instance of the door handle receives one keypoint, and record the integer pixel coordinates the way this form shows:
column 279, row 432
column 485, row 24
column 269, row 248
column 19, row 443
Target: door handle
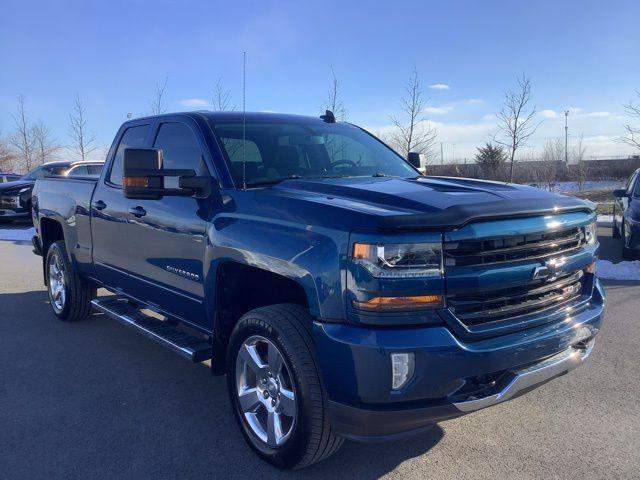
column 137, row 212
column 99, row 205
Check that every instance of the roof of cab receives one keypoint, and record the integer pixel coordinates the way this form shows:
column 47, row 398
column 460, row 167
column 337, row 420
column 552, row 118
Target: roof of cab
column 237, row 116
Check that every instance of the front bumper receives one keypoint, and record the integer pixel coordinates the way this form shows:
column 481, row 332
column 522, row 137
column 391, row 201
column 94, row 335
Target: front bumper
column 451, row 377
column 13, row 213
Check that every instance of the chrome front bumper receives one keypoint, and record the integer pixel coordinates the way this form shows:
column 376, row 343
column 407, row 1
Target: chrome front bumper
column 531, row 376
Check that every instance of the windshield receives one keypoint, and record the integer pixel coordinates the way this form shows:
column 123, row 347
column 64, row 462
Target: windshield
column 42, row 171
column 278, row 151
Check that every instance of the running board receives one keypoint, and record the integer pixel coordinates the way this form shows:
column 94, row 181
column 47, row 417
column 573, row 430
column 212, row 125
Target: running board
column 191, row 347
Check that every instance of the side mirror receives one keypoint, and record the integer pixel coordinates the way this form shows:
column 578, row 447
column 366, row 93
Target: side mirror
column 414, row 159
column 144, row 178
column 620, row 193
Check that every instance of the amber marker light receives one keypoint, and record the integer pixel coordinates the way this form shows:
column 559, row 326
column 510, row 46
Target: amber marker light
column 361, row 250
column 135, row 181
column 401, row 303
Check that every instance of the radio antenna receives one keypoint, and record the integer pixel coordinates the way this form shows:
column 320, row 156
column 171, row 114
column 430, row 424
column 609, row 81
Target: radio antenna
column 244, row 118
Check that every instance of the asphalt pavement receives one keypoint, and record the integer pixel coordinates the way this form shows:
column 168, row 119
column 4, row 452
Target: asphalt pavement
column 95, row 400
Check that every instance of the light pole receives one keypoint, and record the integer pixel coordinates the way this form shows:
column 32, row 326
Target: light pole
column 453, row 153
column 566, row 137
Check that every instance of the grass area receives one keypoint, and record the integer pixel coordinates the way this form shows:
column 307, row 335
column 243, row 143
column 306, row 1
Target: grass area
column 604, row 199
column 605, row 208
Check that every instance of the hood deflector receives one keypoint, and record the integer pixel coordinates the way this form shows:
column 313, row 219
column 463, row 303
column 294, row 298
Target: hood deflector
column 457, row 216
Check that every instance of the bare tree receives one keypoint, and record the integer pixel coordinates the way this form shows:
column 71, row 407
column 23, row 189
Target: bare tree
column 516, row 121
column 582, row 167
column 552, row 157
column 157, row 106
column 82, row 142
column 221, row 97
column 44, row 144
column 333, row 101
column 633, row 131
column 22, row 138
column 7, row 156
column 413, row 132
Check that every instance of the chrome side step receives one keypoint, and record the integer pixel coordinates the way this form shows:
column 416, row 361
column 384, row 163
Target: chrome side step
column 191, row 347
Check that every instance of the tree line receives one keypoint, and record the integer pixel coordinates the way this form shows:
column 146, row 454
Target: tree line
column 31, row 143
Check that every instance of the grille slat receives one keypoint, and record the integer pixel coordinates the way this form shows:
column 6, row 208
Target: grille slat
column 495, row 306
column 536, row 246
column 482, row 307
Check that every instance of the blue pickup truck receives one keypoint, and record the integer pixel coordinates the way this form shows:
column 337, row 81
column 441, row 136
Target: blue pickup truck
column 343, row 294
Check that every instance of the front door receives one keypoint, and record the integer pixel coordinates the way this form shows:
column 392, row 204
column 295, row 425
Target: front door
column 109, row 214
column 169, row 235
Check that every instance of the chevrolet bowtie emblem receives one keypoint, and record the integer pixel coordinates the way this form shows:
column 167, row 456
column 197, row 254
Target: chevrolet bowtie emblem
column 550, row 270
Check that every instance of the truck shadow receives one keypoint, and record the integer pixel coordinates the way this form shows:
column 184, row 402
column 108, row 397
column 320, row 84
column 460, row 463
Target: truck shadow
column 128, row 408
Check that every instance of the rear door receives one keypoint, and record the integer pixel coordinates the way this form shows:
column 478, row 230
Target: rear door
column 169, row 235
column 109, row 214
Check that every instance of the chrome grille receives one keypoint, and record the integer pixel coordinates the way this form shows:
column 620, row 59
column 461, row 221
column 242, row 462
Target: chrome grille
column 535, row 246
column 483, row 307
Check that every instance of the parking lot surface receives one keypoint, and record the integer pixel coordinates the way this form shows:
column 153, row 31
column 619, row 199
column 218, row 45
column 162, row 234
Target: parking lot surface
column 96, row 400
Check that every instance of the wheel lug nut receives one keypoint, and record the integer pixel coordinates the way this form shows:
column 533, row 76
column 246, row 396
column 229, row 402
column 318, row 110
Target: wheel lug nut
column 265, row 394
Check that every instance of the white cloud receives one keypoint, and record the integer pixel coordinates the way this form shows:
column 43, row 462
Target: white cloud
column 489, row 117
column 439, row 86
column 194, row 103
column 599, row 114
column 438, row 110
column 549, row 114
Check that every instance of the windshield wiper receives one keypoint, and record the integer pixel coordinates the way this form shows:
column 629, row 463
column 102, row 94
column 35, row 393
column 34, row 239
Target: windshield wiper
column 272, row 181
column 379, row 174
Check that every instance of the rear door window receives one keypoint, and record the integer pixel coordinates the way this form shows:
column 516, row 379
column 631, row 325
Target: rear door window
column 133, row 137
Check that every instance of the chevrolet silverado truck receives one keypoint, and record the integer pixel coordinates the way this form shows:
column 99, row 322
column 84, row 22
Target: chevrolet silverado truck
column 343, row 294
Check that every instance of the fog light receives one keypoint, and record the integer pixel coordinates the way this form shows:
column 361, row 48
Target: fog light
column 402, row 365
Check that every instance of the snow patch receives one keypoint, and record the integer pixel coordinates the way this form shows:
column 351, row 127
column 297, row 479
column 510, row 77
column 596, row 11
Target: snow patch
column 605, row 220
column 22, row 234
column 627, row 270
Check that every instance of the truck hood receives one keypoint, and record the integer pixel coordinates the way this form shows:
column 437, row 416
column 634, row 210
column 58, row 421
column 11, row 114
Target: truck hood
column 12, row 188
column 432, row 202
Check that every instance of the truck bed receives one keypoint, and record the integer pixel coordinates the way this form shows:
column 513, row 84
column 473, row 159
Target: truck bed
column 68, row 202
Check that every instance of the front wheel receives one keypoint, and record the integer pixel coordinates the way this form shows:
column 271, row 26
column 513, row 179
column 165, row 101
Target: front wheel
column 275, row 387
column 69, row 294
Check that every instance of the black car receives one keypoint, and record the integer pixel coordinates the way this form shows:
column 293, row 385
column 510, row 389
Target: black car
column 626, row 216
column 8, row 177
column 15, row 196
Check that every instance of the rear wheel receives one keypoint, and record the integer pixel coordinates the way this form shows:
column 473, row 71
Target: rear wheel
column 70, row 295
column 275, row 387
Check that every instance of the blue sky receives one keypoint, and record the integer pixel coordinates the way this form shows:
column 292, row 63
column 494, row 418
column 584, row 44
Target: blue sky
column 580, row 55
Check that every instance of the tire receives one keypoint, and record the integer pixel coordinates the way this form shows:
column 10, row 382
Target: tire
column 70, row 296
column 307, row 438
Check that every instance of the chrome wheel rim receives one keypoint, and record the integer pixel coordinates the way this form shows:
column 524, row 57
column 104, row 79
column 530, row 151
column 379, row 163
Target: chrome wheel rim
column 57, row 287
column 266, row 395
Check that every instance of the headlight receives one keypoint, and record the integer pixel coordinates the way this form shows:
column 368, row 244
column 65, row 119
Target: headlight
column 22, row 190
column 400, row 260
column 591, row 233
